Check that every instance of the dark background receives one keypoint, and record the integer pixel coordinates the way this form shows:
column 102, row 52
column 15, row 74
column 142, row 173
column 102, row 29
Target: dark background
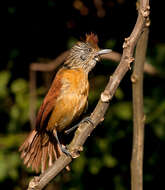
column 41, row 30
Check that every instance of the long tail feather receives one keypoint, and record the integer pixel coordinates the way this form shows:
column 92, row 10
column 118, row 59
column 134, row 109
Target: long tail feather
column 39, row 150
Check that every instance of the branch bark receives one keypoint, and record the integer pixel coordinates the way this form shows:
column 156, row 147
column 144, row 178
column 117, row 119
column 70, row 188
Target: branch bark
column 51, row 66
column 138, row 113
column 97, row 116
column 113, row 56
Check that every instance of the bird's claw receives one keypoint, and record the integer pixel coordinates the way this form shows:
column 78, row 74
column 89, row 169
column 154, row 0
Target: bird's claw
column 65, row 151
column 86, row 119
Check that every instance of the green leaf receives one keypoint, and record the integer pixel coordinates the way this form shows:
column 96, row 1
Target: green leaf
column 71, row 42
column 8, row 165
column 157, row 112
column 109, row 161
column 110, row 44
column 103, row 144
column 11, row 141
column 79, row 164
column 15, row 112
column 95, row 165
column 3, row 166
column 4, row 79
column 119, row 94
column 19, row 86
column 123, row 110
column 159, row 130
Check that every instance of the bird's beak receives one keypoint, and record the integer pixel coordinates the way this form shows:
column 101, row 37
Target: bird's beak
column 104, row 51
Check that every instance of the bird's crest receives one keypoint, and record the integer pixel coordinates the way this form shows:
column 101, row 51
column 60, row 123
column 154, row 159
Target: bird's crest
column 92, row 39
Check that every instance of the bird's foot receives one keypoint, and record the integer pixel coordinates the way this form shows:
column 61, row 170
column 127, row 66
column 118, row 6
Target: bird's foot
column 62, row 147
column 86, row 119
column 65, row 151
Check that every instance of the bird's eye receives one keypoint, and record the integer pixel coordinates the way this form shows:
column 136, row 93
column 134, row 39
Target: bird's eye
column 83, row 57
column 89, row 49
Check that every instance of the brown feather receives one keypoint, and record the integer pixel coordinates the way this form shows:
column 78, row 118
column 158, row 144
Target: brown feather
column 49, row 102
column 33, row 154
column 92, row 39
column 55, row 151
column 71, row 101
column 44, row 158
column 65, row 101
column 50, row 154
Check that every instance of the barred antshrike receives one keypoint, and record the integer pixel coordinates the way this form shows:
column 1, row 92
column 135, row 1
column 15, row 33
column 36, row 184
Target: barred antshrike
column 65, row 101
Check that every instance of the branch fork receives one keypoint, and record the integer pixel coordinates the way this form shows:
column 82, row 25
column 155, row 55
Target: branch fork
column 75, row 153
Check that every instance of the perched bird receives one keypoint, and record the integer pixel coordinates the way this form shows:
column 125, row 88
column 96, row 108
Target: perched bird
column 65, row 101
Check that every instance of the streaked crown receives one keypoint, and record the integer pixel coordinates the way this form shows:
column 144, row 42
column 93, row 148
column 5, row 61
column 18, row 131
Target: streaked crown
column 84, row 54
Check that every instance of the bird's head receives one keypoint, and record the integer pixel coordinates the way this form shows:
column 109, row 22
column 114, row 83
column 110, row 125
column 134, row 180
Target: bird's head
column 85, row 54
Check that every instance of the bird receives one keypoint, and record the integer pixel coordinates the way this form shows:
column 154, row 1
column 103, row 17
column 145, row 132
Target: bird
column 64, row 103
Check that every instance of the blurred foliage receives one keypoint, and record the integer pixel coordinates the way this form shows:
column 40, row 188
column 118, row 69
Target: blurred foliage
column 42, row 30
column 9, row 164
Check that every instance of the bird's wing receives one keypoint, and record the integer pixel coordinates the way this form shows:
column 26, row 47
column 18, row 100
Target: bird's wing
column 48, row 103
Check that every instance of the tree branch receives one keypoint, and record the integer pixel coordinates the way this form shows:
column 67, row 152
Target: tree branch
column 97, row 116
column 113, row 56
column 138, row 113
column 51, row 66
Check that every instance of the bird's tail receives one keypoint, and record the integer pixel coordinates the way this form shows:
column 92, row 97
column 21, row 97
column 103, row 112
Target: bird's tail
column 39, row 149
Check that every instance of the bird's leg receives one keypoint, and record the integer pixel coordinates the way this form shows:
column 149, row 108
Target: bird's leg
column 86, row 119
column 63, row 149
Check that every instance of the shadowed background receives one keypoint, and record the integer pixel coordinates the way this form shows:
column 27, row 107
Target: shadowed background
column 38, row 31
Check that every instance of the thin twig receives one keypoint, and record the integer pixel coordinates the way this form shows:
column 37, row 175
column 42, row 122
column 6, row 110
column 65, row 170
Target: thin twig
column 85, row 129
column 138, row 113
column 113, row 56
column 51, row 66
